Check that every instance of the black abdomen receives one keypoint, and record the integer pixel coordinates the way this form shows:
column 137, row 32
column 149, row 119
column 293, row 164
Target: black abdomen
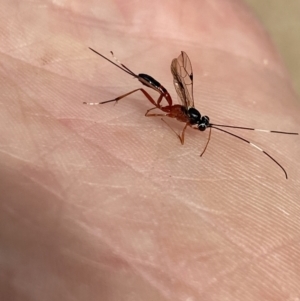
column 150, row 80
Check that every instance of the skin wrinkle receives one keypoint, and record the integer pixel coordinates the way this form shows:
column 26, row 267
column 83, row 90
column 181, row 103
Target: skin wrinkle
column 43, row 155
column 255, row 259
column 201, row 180
column 42, row 158
column 23, row 116
column 151, row 281
column 283, row 211
column 120, row 159
column 46, row 72
column 36, row 181
column 195, row 212
column 16, row 48
column 179, row 278
column 196, row 207
column 218, row 279
column 102, row 264
column 119, row 217
column 215, row 280
column 14, row 156
column 41, row 185
column 26, row 221
column 225, row 232
column 254, row 220
column 282, row 289
column 175, row 196
column 130, row 260
column 220, row 230
column 208, row 222
column 146, row 222
column 193, row 285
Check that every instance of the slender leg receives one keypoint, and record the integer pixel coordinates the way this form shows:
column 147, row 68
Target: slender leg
column 181, row 136
column 152, row 115
column 206, row 143
column 123, row 96
column 182, row 133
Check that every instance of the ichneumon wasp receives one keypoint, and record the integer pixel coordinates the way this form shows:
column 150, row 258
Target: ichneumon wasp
column 186, row 112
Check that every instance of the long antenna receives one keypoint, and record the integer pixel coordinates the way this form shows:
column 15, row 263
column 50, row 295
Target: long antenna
column 125, row 69
column 252, row 129
column 252, row 144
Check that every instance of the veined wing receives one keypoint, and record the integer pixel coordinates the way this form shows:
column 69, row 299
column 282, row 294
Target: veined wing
column 182, row 71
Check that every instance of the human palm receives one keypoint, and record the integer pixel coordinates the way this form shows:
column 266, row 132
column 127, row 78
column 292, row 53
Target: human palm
column 101, row 203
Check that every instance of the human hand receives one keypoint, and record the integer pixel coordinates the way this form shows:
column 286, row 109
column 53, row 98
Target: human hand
column 101, row 203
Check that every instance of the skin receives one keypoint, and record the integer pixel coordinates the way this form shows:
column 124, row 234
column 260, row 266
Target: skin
column 102, row 203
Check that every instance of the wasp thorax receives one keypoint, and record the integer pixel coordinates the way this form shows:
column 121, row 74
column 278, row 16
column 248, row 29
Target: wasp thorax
column 194, row 115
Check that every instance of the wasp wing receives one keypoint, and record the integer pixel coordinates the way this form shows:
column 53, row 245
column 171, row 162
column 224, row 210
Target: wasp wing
column 182, row 72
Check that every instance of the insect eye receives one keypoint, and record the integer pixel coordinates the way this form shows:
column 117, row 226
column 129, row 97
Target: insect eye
column 205, row 119
column 194, row 114
column 202, row 127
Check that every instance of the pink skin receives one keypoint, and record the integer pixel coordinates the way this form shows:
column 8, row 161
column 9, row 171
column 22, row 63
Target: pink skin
column 102, row 203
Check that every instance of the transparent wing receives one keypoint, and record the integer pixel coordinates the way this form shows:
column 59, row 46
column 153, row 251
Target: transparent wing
column 178, row 83
column 182, row 72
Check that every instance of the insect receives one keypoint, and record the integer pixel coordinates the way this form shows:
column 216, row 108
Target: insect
column 182, row 72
